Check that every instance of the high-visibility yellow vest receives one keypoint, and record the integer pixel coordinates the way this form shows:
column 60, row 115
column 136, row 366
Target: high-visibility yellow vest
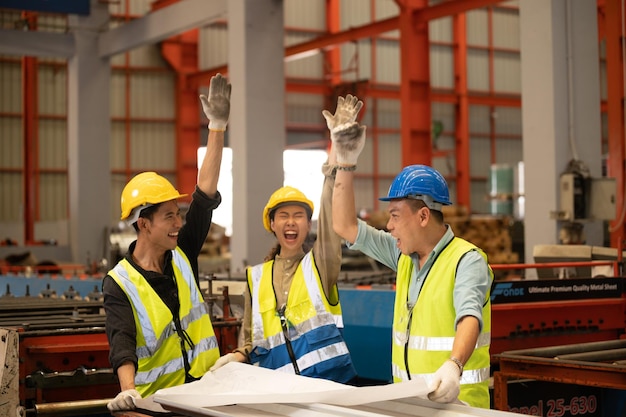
column 159, row 354
column 423, row 335
column 304, row 336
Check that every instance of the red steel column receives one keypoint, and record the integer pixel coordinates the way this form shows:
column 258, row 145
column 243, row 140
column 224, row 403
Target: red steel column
column 415, row 94
column 31, row 140
column 462, row 113
column 615, row 110
column 181, row 52
column 332, row 57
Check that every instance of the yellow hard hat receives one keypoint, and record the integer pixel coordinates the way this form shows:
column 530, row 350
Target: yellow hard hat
column 146, row 188
column 282, row 196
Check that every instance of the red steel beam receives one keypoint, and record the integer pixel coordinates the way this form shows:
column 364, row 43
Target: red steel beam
column 181, row 52
column 31, row 138
column 360, row 32
column 462, row 113
column 415, row 95
column 615, row 111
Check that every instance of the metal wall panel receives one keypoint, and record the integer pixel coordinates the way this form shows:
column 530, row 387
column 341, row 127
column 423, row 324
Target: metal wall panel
column 11, row 183
column 118, row 94
column 480, row 156
column 440, row 30
column 385, row 9
column 477, row 70
column 152, row 147
column 477, row 29
column 135, row 7
column 52, row 90
column 152, row 95
column 445, row 113
column 309, row 14
column 508, row 151
column 353, row 13
column 52, row 144
column 11, row 203
column 11, row 140
column 212, row 46
column 507, row 72
column 147, row 56
column 480, row 163
column 118, row 146
column 479, row 119
column 508, row 120
column 53, row 197
column 10, row 158
column 479, row 197
column 53, row 178
column 356, row 61
column 52, row 23
column 364, row 194
column 303, row 67
column 387, row 61
column 388, row 113
column 389, row 154
column 506, row 28
column 10, row 85
column 441, row 66
column 305, row 109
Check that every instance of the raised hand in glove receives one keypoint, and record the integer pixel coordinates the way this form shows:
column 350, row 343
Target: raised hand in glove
column 124, row 400
column 229, row 357
column 446, row 383
column 217, row 105
column 348, row 142
column 346, row 112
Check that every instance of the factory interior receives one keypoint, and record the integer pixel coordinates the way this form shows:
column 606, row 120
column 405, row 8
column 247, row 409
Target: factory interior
column 518, row 104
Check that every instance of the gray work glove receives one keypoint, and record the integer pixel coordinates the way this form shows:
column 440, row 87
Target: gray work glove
column 124, row 400
column 217, row 105
column 348, row 141
column 446, row 384
column 229, row 357
column 346, row 112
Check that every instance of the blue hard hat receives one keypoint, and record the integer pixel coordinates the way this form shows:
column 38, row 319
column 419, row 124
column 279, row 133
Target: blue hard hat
column 419, row 181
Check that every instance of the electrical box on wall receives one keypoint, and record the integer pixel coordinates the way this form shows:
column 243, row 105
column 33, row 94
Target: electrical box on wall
column 586, row 198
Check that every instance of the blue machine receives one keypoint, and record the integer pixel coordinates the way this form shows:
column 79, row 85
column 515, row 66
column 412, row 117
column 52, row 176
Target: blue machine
column 367, row 319
column 49, row 285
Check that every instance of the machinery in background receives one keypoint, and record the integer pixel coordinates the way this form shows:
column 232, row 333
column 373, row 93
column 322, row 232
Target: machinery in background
column 583, row 199
column 54, row 340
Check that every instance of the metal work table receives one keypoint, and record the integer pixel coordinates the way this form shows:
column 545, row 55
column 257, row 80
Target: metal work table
column 595, row 364
column 406, row 407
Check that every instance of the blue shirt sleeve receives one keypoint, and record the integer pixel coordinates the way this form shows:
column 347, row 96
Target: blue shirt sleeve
column 471, row 288
column 376, row 244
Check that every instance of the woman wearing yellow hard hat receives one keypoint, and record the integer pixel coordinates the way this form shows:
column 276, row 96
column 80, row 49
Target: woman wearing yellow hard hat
column 292, row 315
column 159, row 330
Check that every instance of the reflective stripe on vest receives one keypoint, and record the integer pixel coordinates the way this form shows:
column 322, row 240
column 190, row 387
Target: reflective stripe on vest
column 469, row 377
column 317, row 356
column 435, row 343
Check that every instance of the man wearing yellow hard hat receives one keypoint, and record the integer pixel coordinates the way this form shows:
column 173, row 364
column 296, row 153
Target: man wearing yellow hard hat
column 292, row 315
column 159, row 330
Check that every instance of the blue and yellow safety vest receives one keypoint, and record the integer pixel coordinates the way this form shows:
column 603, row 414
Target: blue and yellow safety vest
column 159, row 353
column 423, row 336
column 303, row 337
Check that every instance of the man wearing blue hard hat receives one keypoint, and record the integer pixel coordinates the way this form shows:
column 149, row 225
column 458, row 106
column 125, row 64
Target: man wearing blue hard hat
column 442, row 311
